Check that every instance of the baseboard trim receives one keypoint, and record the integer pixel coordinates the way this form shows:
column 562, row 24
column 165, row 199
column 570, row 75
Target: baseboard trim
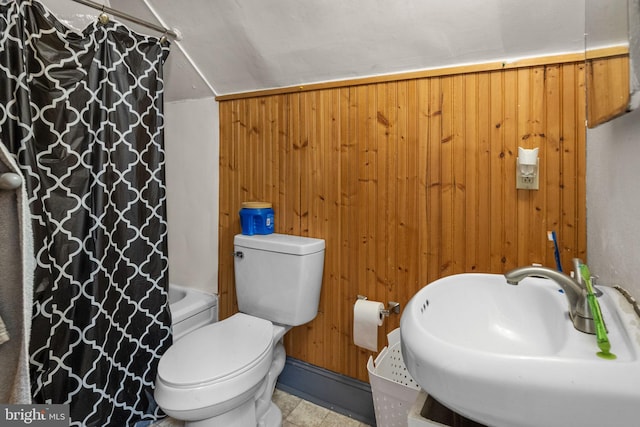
column 328, row 389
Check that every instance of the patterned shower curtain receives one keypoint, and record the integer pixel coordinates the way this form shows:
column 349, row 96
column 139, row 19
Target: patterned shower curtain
column 82, row 113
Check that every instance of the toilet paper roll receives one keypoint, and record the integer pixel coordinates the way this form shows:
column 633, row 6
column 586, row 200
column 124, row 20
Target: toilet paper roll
column 367, row 317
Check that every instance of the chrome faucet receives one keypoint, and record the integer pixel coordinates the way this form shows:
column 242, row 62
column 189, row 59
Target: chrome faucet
column 575, row 291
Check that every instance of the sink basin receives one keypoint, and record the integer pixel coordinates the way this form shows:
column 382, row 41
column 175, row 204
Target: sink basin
column 509, row 356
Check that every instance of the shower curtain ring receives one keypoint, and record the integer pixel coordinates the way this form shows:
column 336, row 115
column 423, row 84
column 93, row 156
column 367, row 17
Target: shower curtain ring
column 103, row 18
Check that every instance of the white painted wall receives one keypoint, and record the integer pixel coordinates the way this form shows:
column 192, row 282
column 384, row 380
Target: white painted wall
column 613, row 201
column 606, row 23
column 192, row 147
column 246, row 45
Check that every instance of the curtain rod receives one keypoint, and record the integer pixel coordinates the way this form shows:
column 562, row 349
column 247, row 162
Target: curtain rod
column 107, row 9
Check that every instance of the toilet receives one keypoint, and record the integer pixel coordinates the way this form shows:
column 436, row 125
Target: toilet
column 224, row 374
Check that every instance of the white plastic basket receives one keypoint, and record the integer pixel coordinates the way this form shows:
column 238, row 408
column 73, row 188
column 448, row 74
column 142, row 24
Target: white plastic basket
column 393, row 389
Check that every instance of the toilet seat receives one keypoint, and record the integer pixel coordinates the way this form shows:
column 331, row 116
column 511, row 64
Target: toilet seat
column 217, row 351
column 215, row 367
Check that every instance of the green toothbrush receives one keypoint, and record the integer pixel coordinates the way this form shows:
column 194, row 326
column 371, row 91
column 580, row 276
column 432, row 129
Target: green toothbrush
column 601, row 332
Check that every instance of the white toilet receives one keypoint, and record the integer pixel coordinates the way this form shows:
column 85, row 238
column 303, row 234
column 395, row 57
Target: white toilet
column 224, row 374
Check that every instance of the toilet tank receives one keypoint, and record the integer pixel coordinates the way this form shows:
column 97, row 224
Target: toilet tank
column 278, row 277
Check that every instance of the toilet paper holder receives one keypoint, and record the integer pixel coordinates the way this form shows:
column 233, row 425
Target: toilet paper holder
column 393, row 307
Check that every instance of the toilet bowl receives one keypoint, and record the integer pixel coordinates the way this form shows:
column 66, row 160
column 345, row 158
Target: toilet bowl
column 202, row 378
column 224, row 374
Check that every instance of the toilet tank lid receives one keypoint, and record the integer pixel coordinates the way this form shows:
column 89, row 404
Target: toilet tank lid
column 283, row 243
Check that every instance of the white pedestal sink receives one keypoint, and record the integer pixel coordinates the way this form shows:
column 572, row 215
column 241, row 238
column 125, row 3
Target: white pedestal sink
column 509, row 356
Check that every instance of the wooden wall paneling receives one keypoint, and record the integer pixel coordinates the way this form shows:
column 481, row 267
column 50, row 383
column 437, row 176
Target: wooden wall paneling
column 236, row 197
column 227, row 299
column 344, row 210
column 446, row 208
column 368, row 210
column 334, row 304
column 416, row 190
column 278, row 122
column 303, row 340
column 377, row 263
column 383, row 122
column 511, row 142
column 471, row 157
column 310, row 141
column 552, row 160
column 537, row 202
column 271, row 146
column 306, row 340
column 321, row 209
column 248, row 145
column 580, row 232
column 407, row 182
column 292, row 186
column 258, row 175
column 569, row 178
column 285, row 200
column 350, row 259
column 422, row 158
column 226, row 221
column 498, row 178
column 459, row 165
column 245, row 158
column 324, row 207
column 392, row 144
column 434, row 180
column 359, row 230
column 385, row 197
column 579, row 156
column 483, row 174
column 384, row 221
column 401, row 206
column 580, row 248
column 288, row 221
column 524, row 117
column 254, row 175
column 607, row 89
column 407, row 207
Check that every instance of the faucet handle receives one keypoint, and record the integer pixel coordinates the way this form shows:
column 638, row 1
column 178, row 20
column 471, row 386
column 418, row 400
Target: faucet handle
column 594, row 281
column 577, row 275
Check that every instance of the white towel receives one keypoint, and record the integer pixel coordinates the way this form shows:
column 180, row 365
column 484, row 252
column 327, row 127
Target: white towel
column 4, row 334
column 16, row 287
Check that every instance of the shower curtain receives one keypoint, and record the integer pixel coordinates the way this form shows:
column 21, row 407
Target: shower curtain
column 82, row 114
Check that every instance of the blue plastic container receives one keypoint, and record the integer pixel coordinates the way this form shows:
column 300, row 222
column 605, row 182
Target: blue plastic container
column 256, row 218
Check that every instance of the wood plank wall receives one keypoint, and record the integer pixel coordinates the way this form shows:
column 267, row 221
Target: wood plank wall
column 607, row 88
column 407, row 182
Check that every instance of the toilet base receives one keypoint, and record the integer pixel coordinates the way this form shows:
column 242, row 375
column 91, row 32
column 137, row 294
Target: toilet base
column 257, row 408
column 272, row 418
column 242, row 416
column 268, row 414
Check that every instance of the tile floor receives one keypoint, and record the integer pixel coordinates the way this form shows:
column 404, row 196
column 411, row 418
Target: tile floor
column 301, row 413
column 296, row 412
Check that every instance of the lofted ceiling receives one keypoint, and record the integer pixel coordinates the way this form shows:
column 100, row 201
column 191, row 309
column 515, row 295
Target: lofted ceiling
column 235, row 46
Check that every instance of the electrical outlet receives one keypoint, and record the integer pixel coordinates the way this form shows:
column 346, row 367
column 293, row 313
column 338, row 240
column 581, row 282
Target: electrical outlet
column 526, row 182
column 527, row 173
